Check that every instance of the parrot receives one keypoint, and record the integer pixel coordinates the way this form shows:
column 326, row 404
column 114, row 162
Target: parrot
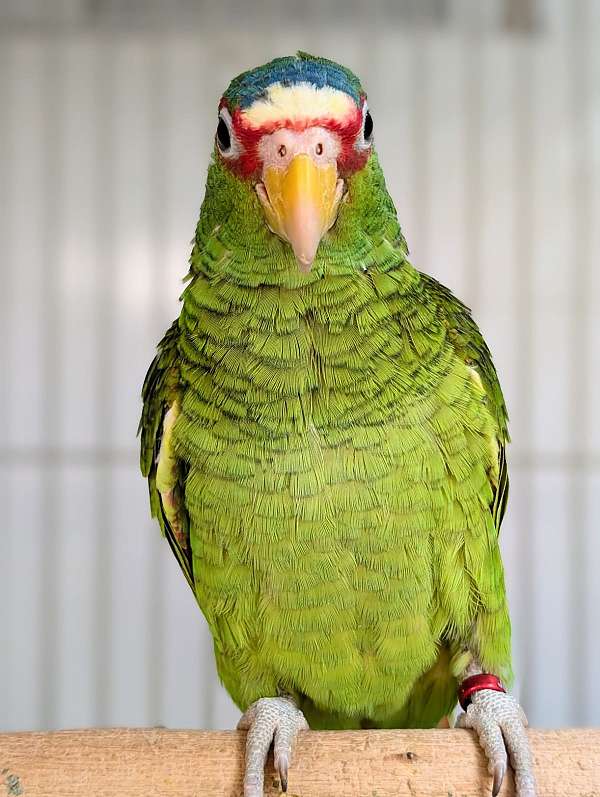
column 323, row 434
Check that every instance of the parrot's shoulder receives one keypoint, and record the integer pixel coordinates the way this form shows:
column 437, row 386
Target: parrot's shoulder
column 469, row 344
column 161, row 394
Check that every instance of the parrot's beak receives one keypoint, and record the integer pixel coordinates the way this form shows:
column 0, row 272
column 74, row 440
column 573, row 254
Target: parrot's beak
column 301, row 204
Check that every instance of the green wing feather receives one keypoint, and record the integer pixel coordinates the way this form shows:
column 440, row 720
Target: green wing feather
column 469, row 344
column 160, row 392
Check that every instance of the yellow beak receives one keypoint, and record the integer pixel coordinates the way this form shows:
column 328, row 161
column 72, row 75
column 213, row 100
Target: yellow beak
column 301, row 204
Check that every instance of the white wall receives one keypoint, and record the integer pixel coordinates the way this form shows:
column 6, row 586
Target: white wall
column 490, row 141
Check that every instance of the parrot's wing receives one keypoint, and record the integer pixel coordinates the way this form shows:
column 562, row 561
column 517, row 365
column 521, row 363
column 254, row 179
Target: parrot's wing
column 158, row 462
column 469, row 344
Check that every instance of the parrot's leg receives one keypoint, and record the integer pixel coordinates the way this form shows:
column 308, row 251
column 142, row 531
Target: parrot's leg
column 500, row 723
column 270, row 720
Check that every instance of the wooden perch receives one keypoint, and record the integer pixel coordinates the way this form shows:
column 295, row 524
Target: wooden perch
column 164, row 763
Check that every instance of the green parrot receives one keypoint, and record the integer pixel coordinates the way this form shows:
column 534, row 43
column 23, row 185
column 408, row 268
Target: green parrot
column 323, row 434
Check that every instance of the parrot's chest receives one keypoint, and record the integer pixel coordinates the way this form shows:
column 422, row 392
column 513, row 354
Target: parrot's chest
column 322, row 434
column 316, row 485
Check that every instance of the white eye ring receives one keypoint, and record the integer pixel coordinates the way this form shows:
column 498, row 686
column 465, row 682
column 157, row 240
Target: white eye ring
column 362, row 142
column 234, row 149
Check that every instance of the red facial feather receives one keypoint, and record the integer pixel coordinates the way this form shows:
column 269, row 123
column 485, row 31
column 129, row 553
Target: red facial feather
column 249, row 165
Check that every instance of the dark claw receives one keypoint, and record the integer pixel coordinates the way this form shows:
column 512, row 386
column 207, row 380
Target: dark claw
column 283, row 776
column 499, row 772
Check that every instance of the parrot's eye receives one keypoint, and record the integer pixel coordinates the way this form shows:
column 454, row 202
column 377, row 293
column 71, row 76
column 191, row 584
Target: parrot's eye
column 223, row 136
column 226, row 140
column 365, row 137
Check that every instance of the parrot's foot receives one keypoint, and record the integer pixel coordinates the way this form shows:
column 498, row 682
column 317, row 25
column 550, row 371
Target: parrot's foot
column 500, row 723
column 274, row 720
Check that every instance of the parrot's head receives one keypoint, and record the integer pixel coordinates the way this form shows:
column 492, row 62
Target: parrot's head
column 295, row 133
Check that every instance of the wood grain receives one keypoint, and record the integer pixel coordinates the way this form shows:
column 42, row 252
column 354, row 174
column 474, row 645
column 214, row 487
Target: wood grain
column 166, row 763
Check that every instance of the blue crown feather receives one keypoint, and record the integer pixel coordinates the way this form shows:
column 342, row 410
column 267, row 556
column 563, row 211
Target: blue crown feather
column 300, row 68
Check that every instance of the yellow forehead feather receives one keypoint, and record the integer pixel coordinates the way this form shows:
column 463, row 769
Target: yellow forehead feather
column 300, row 101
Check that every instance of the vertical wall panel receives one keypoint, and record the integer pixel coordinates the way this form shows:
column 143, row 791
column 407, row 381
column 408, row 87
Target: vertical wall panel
column 25, row 393
column 73, row 584
column 189, row 677
column 550, row 625
column 51, row 131
column 130, row 599
column 588, row 624
column 552, row 267
column 498, row 264
column 103, row 250
column 592, row 441
column 445, row 251
column 79, row 280
column 23, row 616
column 420, row 128
column 191, row 119
column 393, row 123
column 134, row 277
column 581, row 302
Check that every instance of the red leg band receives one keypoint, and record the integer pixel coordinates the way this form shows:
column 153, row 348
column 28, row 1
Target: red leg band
column 475, row 683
